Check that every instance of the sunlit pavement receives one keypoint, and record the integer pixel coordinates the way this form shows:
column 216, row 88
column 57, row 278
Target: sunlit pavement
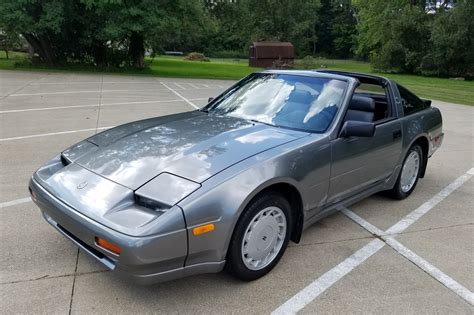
column 342, row 265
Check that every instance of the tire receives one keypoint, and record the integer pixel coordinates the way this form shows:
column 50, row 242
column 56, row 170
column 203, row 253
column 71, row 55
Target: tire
column 403, row 188
column 266, row 213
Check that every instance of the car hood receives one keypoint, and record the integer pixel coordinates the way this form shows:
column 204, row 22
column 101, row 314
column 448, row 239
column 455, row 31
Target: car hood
column 192, row 145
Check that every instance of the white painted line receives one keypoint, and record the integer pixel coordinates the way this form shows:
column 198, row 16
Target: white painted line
column 194, row 86
column 21, row 88
column 366, row 225
column 179, row 85
column 317, row 287
column 180, row 96
column 93, row 105
column 81, row 106
column 430, row 204
column 52, row 134
column 81, row 92
column 440, row 276
column 14, row 202
column 447, row 281
column 92, row 82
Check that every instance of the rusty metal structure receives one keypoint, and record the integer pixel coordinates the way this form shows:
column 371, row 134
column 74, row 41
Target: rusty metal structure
column 266, row 54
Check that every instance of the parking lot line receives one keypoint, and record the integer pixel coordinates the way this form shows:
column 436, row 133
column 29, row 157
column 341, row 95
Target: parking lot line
column 93, row 105
column 320, row 285
column 194, row 86
column 437, row 274
column 179, row 85
column 21, row 88
column 14, row 202
column 434, row 272
column 91, row 82
column 430, row 204
column 79, row 92
column 312, row 291
column 53, row 134
column 179, row 95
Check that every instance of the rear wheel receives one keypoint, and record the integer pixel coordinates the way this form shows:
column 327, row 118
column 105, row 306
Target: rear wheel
column 409, row 174
column 260, row 237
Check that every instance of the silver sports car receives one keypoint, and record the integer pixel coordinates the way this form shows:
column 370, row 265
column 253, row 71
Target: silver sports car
column 231, row 184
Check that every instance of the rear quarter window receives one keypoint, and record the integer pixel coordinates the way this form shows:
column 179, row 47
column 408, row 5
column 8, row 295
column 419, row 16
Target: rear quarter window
column 411, row 103
column 365, row 88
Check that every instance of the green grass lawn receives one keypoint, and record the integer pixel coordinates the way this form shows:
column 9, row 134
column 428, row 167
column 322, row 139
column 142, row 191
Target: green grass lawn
column 448, row 90
column 216, row 69
column 454, row 91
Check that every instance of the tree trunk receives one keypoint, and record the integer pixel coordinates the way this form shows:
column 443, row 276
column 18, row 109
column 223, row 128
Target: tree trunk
column 100, row 55
column 136, row 50
column 42, row 46
column 6, row 52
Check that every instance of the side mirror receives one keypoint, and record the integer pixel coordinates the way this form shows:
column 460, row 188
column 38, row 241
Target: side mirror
column 357, row 129
column 210, row 99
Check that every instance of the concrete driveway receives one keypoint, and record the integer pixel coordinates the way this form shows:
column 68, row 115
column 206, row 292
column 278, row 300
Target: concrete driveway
column 379, row 256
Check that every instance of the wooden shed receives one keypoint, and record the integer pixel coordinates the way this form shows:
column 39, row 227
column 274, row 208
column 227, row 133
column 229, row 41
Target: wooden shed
column 264, row 54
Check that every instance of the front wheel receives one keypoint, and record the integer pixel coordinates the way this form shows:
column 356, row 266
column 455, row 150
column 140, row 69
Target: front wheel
column 260, row 237
column 409, row 174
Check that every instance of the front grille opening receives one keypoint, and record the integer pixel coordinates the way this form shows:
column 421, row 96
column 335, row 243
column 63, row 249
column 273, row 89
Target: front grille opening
column 89, row 248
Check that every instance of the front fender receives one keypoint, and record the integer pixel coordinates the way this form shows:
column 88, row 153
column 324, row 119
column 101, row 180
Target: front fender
column 222, row 198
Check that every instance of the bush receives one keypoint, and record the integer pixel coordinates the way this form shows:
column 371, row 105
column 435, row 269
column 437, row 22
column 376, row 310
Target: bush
column 282, row 64
column 195, row 56
column 228, row 54
column 310, row 62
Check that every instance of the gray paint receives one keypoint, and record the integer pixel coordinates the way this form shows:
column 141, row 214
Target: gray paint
column 206, row 169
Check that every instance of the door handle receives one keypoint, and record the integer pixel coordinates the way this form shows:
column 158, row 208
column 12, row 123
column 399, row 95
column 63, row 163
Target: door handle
column 397, row 134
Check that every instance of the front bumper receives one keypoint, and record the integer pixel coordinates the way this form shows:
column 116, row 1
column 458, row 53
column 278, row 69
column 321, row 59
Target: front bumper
column 144, row 260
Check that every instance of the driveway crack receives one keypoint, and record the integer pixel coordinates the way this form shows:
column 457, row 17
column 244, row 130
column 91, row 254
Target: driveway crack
column 74, row 282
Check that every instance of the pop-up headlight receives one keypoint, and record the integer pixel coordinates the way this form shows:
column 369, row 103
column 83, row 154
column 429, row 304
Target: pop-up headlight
column 164, row 191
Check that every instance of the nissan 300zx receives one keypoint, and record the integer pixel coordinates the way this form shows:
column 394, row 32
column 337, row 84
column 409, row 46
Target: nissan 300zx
column 231, row 184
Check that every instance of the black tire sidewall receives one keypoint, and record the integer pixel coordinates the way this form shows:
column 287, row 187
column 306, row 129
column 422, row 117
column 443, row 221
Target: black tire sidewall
column 397, row 190
column 235, row 264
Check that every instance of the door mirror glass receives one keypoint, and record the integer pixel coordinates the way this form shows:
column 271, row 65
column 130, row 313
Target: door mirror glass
column 353, row 128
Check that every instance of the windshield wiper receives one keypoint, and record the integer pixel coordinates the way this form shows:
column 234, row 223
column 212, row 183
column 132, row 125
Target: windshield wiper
column 261, row 122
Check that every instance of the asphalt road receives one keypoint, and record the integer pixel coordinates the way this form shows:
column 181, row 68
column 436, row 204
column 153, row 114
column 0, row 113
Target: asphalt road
column 379, row 256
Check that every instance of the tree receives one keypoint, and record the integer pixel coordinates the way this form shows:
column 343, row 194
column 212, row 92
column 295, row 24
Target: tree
column 343, row 29
column 393, row 35
column 8, row 41
column 282, row 20
column 102, row 32
column 451, row 43
column 38, row 21
column 135, row 25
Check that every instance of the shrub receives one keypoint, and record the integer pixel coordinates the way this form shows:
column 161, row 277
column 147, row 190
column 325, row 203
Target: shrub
column 195, row 56
column 228, row 54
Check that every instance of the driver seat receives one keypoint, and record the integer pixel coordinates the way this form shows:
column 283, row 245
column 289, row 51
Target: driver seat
column 361, row 108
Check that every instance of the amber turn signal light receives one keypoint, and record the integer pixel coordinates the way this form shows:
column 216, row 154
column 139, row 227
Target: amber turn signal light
column 203, row 229
column 111, row 247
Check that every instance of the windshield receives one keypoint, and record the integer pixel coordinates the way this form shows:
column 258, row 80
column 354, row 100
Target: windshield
column 290, row 101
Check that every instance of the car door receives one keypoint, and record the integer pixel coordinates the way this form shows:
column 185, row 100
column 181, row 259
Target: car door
column 358, row 163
